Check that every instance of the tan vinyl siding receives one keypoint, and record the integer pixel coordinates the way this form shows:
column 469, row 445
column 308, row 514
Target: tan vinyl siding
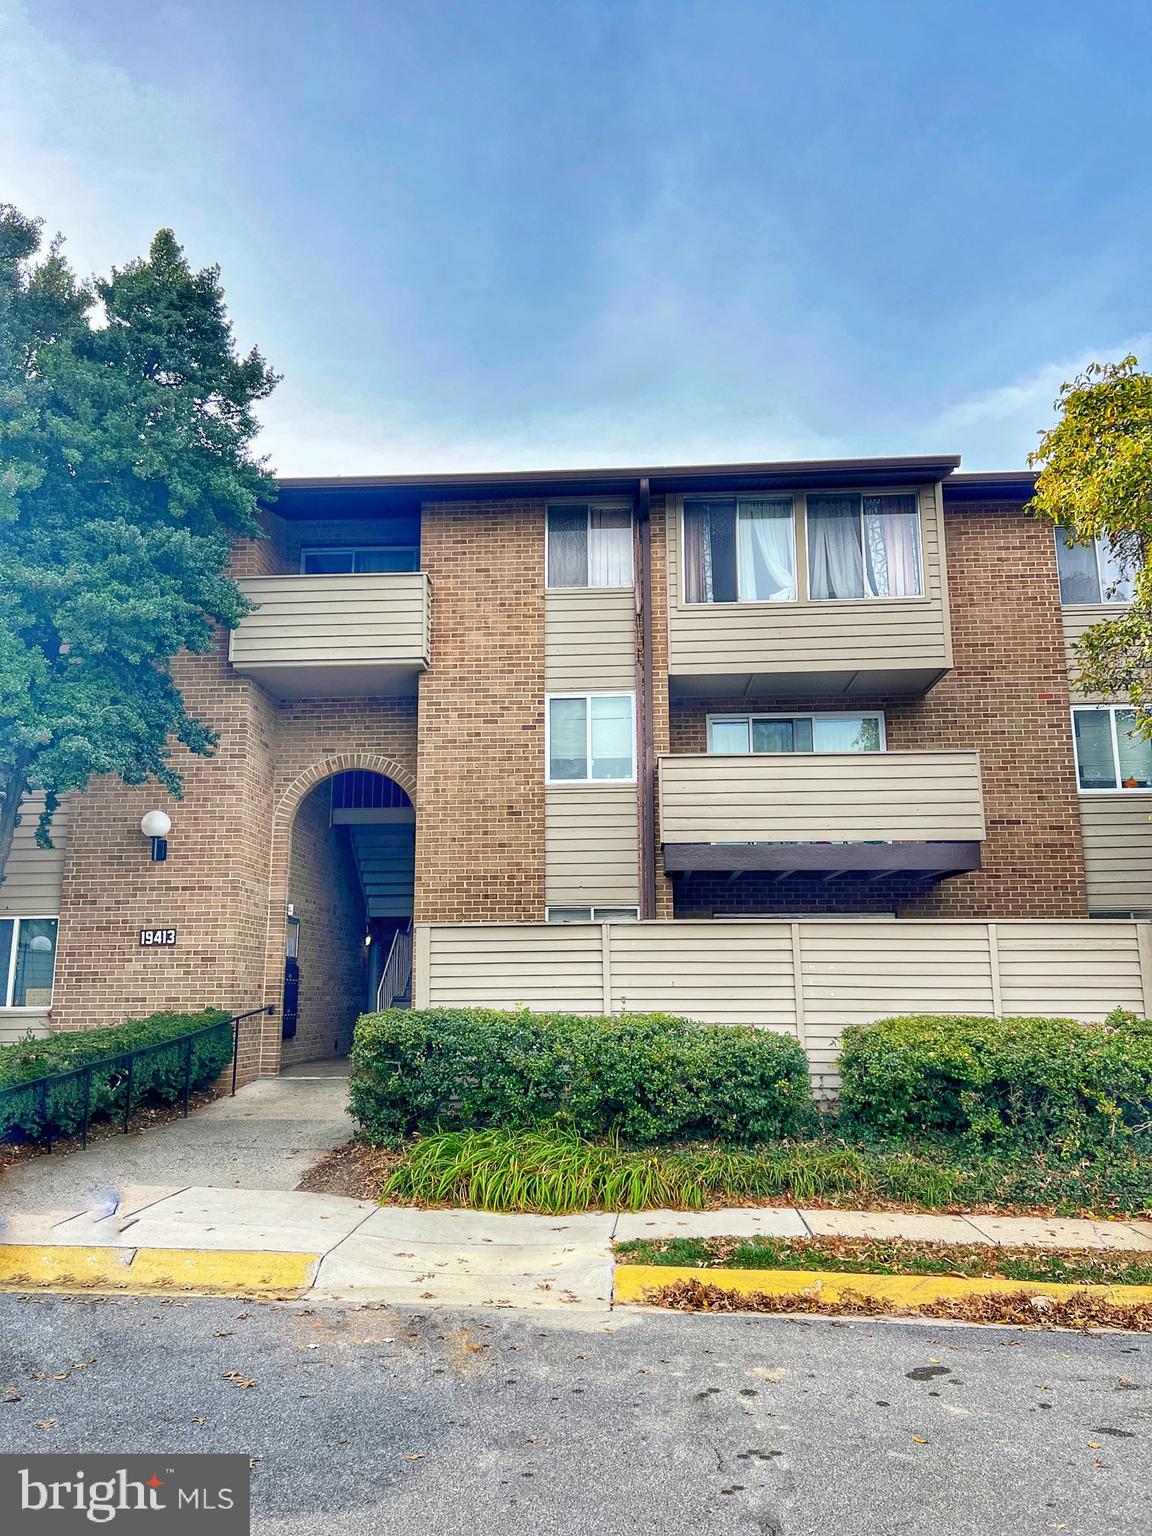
column 1117, row 851
column 590, row 640
column 591, row 846
column 735, row 973
column 16, row 1027
column 876, row 636
column 338, row 621
column 809, row 978
column 821, row 797
column 855, row 972
column 512, row 965
column 1080, row 969
column 1075, row 619
column 34, row 875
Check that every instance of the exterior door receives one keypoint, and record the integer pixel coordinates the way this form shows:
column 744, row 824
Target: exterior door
column 291, row 1006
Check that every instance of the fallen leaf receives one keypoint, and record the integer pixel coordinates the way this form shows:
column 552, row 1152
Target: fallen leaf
column 415, row 1456
column 239, row 1380
column 918, row 1440
column 46, row 1423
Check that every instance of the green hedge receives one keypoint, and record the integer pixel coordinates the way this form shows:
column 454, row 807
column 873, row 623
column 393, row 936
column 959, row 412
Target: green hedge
column 1013, row 1083
column 157, row 1078
column 647, row 1078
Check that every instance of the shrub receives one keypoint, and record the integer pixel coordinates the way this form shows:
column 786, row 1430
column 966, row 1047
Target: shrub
column 157, row 1077
column 645, row 1078
column 1010, row 1083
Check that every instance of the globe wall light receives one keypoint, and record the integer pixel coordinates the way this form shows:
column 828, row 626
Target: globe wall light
column 156, row 825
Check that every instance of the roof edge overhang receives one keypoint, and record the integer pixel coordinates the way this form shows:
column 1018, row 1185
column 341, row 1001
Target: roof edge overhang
column 1015, row 485
column 663, row 479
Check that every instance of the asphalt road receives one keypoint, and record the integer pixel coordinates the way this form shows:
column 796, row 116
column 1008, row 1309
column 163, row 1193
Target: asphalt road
column 503, row 1424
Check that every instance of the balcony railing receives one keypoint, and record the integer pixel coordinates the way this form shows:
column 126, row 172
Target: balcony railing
column 820, row 800
column 334, row 636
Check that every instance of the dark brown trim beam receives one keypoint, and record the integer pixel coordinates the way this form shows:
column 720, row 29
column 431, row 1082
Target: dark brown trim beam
column 935, row 859
column 645, row 705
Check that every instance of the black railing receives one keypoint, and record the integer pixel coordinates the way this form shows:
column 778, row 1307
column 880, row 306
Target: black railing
column 42, row 1087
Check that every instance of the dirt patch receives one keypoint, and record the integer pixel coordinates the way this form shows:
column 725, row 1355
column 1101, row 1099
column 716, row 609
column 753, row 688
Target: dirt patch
column 354, row 1169
column 1019, row 1309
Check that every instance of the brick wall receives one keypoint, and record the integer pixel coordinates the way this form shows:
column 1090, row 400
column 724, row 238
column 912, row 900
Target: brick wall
column 480, row 822
column 324, row 890
column 1006, row 697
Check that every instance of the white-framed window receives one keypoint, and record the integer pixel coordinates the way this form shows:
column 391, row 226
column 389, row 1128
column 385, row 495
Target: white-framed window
column 1110, row 752
column 591, row 914
column 27, row 961
column 739, row 549
column 797, row 733
column 1090, row 573
column 862, row 546
column 359, row 559
column 590, row 738
column 589, row 544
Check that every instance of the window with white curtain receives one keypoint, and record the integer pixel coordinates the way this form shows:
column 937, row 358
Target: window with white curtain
column 591, row 738
column 589, row 545
column 740, row 549
column 1110, row 751
column 1090, row 573
column 796, row 733
column 863, row 546
column 27, row 961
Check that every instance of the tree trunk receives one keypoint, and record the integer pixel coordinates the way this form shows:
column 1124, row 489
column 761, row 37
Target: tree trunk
column 13, row 788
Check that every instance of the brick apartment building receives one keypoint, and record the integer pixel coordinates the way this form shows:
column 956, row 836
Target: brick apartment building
column 804, row 690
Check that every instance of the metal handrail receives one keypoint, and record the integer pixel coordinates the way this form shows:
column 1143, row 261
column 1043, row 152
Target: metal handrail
column 397, row 972
column 41, row 1085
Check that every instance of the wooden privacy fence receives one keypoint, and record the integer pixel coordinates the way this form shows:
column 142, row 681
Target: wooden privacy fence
column 807, row 978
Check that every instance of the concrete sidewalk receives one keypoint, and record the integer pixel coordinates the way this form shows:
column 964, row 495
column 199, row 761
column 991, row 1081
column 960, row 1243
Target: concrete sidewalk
column 267, row 1137
column 277, row 1241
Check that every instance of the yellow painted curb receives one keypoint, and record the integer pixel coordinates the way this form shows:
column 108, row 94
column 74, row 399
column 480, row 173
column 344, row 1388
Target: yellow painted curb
column 632, row 1280
column 57, row 1267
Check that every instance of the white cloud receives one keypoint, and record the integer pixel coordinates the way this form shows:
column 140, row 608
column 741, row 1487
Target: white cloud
column 996, row 428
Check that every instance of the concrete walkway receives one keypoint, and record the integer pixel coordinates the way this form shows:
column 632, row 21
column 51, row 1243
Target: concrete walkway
column 340, row 1249
column 266, row 1137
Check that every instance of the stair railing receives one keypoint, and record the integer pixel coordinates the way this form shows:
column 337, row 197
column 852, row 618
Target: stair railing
column 396, row 977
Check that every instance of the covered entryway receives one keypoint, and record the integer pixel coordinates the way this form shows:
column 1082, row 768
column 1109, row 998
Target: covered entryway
column 349, row 917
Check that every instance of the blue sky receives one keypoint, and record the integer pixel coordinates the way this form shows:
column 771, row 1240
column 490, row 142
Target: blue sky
column 525, row 233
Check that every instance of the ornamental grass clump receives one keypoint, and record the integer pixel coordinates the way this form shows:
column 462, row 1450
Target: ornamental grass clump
column 645, row 1079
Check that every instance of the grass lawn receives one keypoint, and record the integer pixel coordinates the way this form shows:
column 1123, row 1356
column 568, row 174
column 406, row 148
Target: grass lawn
column 876, row 1256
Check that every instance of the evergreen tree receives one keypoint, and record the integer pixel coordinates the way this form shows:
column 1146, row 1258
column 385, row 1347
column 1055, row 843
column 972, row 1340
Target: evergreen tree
column 126, row 470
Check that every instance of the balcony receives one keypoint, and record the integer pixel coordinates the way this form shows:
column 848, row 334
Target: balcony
column 352, row 636
column 813, row 649
column 822, row 812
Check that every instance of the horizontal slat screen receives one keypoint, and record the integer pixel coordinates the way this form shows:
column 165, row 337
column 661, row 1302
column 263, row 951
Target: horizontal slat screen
column 334, row 619
column 809, row 978
column 824, row 797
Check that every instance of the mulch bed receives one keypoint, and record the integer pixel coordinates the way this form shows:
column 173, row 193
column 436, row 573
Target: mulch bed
column 1018, row 1309
column 354, row 1169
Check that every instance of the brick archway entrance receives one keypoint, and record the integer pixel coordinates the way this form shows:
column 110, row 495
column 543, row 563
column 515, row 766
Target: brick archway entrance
column 284, row 822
